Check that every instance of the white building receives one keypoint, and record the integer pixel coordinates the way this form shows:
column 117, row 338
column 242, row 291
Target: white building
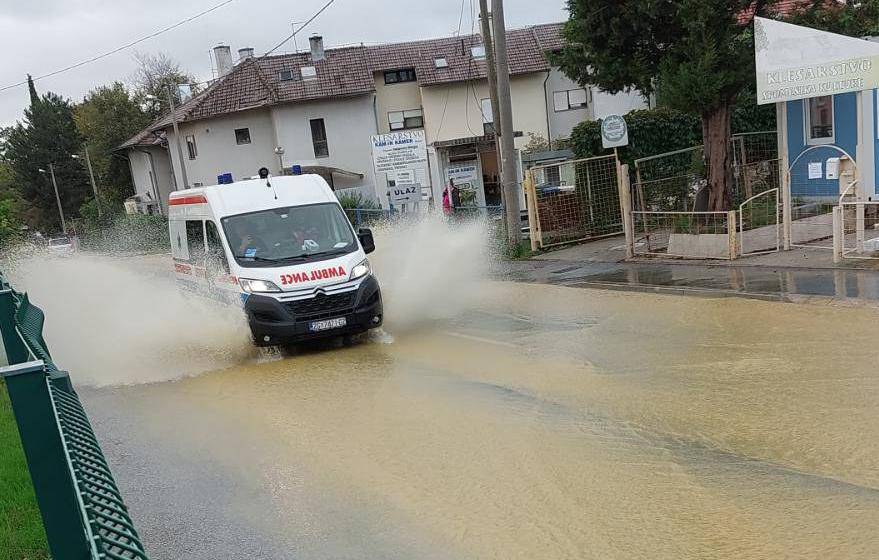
column 320, row 109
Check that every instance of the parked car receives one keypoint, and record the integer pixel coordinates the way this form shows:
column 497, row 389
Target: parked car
column 61, row 245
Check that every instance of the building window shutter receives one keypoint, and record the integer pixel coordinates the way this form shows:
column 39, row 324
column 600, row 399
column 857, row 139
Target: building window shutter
column 576, row 98
column 487, row 116
column 560, row 100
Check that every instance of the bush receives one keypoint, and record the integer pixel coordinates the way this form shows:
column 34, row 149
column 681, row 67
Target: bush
column 651, row 132
column 355, row 199
column 662, row 130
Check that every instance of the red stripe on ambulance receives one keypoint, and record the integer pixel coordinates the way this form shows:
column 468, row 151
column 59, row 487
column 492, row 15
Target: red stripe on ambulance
column 180, row 200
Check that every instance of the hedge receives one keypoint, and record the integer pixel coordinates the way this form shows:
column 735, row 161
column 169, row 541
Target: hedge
column 661, row 130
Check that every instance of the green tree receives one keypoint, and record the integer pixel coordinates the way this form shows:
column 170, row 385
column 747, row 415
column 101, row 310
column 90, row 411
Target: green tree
column 699, row 52
column 107, row 117
column 10, row 222
column 47, row 134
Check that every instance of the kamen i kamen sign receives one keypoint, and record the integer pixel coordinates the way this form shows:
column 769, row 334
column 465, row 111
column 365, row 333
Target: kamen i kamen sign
column 795, row 62
column 399, row 151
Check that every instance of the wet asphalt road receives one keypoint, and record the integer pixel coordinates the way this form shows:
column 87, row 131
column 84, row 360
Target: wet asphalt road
column 542, row 422
column 756, row 282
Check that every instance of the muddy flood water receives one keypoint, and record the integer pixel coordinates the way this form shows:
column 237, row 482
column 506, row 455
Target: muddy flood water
column 534, row 422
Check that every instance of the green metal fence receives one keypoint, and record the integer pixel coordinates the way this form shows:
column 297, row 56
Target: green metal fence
column 82, row 509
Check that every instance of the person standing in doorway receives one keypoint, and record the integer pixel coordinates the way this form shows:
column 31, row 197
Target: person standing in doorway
column 456, row 196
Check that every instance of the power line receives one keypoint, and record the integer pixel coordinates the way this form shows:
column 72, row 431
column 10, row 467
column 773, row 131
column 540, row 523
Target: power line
column 123, row 47
column 449, row 87
column 300, row 28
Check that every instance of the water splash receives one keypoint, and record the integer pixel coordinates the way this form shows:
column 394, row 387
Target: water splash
column 119, row 321
column 429, row 270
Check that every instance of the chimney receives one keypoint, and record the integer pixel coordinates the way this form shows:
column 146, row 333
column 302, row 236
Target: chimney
column 317, row 47
column 223, row 56
column 245, row 53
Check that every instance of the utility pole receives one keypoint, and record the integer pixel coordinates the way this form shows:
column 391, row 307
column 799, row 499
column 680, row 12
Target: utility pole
column 509, row 181
column 177, row 138
column 58, row 198
column 488, row 43
column 88, row 163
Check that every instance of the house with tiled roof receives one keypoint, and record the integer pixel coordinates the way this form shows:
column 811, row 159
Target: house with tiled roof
column 318, row 110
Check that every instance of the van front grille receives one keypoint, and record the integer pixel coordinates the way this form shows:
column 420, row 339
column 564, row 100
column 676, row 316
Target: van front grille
column 322, row 306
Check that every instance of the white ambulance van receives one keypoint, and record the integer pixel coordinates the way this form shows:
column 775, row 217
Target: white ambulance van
column 283, row 248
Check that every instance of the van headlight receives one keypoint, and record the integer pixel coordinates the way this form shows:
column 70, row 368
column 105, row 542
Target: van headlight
column 257, row 286
column 361, row 270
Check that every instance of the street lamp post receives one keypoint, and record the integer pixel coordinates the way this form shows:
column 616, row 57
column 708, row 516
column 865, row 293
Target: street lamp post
column 88, row 163
column 57, row 196
column 173, row 110
column 177, row 138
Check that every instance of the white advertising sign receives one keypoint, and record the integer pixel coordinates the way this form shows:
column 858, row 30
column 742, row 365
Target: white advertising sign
column 402, row 157
column 614, row 132
column 405, row 177
column 795, row 62
column 815, row 170
column 399, row 151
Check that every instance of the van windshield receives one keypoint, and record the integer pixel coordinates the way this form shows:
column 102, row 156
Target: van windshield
column 288, row 235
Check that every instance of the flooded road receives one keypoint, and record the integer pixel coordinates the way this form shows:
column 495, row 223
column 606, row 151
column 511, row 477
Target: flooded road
column 539, row 422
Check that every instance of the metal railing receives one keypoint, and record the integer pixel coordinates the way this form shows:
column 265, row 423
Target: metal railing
column 574, row 200
column 81, row 506
column 687, row 235
column 759, row 224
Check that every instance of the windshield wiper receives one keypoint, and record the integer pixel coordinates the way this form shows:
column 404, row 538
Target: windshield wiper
column 258, row 259
column 309, row 256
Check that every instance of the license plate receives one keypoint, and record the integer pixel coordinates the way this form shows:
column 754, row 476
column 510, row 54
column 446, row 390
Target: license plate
column 328, row 324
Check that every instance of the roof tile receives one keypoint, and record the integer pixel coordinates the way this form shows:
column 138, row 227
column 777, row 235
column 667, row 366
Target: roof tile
column 348, row 71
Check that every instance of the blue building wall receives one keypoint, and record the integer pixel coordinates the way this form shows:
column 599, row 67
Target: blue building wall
column 845, row 126
column 875, row 129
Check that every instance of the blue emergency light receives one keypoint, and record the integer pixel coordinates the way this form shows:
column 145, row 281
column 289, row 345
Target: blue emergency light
column 225, row 179
column 296, row 170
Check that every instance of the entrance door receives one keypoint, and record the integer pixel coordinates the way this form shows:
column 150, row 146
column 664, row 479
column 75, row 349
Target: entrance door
column 465, row 174
column 491, row 180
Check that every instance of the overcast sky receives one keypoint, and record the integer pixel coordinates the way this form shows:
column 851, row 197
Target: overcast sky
column 40, row 36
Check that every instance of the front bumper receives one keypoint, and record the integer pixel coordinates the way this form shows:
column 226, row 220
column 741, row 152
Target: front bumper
column 273, row 322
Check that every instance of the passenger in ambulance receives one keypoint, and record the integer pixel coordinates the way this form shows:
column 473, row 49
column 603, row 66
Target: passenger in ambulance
column 249, row 246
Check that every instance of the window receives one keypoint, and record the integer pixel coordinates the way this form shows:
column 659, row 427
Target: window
column 401, row 120
column 190, row 147
column 487, row 116
column 441, row 62
column 292, row 235
column 242, row 136
column 477, row 51
column 819, row 120
column 308, row 72
column 319, row 138
column 195, row 240
column 287, row 75
column 216, row 262
column 400, row 76
column 570, row 99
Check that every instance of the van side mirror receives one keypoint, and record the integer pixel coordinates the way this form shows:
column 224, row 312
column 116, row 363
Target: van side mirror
column 366, row 240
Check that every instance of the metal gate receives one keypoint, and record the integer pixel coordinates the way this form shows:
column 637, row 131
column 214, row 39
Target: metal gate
column 810, row 197
column 574, row 200
column 759, row 224
column 856, row 234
